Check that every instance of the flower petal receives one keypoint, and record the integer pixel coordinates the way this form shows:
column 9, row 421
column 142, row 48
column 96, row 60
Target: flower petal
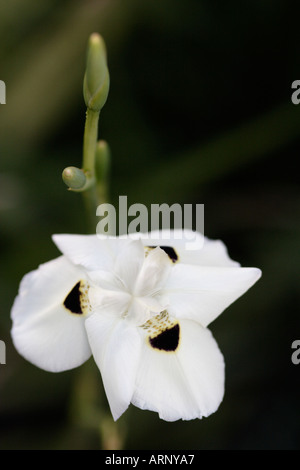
column 153, row 274
column 129, row 261
column 91, row 251
column 183, row 381
column 44, row 330
column 210, row 252
column 113, row 302
column 116, row 347
column 203, row 293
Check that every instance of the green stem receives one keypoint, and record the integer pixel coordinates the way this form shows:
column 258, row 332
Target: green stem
column 90, row 193
column 102, row 171
column 90, row 141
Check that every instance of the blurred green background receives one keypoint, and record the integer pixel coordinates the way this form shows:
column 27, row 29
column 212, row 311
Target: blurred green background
column 199, row 111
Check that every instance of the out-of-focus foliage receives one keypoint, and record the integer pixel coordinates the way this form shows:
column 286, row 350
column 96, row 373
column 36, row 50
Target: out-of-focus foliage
column 199, row 111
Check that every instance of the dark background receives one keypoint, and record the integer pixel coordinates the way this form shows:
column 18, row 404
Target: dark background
column 199, row 111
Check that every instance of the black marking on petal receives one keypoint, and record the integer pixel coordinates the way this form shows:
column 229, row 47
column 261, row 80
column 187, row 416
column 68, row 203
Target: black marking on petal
column 169, row 250
column 72, row 301
column 168, row 340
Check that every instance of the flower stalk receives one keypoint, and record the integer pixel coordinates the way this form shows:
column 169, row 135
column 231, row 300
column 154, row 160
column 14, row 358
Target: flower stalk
column 91, row 179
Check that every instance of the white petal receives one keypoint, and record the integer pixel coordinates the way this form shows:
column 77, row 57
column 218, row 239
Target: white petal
column 89, row 251
column 203, row 293
column 187, row 383
column 106, row 280
column 154, row 304
column 141, row 309
column 153, row 274
column 210, row 253
column 115, row 302
column 44, row 331
column 213, row 253
column 116, row 349
column 129, row 262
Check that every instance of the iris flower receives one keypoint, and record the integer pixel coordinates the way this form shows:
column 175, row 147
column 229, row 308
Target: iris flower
column 141, row 309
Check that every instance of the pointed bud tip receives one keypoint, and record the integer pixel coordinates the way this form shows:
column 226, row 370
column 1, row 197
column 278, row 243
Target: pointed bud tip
column 102, row 160
column 95, row 38
column 103, row 150
column 102, row 145
column 97, row 44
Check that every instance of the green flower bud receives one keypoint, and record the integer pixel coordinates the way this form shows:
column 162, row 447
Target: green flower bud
column 96, row 78
column 74, row 178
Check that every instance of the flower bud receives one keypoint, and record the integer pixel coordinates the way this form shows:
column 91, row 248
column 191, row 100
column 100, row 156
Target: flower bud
column 74, row 178
column 96, row 78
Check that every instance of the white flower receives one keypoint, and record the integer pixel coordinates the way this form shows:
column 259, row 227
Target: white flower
column 141, row 311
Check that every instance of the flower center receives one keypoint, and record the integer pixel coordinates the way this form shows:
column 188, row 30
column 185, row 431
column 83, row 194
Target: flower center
column 133, row 289
column 140, row 310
